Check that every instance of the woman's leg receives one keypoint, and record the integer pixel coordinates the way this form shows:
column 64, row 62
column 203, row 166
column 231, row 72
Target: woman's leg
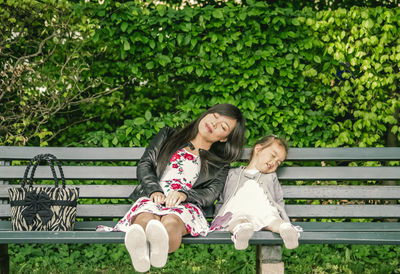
column 176, row 230
column 143, row 218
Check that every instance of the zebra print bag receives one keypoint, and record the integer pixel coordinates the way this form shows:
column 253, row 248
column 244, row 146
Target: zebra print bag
column 43, row 208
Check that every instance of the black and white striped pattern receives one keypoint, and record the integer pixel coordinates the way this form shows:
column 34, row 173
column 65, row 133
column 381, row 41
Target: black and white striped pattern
column 63, row 218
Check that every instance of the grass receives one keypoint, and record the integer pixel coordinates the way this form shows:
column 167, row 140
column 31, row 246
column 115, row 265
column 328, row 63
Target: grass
column 204, row 259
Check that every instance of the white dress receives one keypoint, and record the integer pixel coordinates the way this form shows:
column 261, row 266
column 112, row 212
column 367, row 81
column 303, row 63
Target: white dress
column 182, row 171
column 252, row 203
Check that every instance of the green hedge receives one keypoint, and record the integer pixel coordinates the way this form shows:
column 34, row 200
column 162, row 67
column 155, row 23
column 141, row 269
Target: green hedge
column 276, row 64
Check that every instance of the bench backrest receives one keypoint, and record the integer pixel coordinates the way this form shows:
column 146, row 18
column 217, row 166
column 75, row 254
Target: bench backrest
column 317, row 182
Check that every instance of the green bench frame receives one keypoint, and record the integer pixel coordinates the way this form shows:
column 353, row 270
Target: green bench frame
column 380, row 225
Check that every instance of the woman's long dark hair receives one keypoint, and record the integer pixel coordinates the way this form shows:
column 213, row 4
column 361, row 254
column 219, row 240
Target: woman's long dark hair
column 227, row 152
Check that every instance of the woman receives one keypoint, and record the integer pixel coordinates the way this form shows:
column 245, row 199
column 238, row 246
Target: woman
column 180, row 174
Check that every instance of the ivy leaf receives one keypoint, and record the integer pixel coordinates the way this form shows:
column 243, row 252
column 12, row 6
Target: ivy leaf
column 217, row 13
column 368, row 23
column 317, row 59
column 147, row 115
column 150, row 65
column 124, row 26
column 270, row 70
column 127, row 46
column 139, row 121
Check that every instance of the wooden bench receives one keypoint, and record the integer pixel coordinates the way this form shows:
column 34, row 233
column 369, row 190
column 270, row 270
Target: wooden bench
column 326, row 184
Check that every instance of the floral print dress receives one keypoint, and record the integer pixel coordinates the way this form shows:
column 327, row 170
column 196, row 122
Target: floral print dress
column 181, row 173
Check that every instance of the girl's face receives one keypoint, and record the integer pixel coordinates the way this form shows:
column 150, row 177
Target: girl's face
column 268, row 159
column 215, row 127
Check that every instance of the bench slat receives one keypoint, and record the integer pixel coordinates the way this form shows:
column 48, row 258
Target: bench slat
column 307, row 226
column 360, row 192
column 294, row 211
column 73, row 172
column 338, row 173
column 220, row 237
column 284, row 173
column 87, row 191
column 134, row 153
column 344, row 154
column 343, row 211
column 290, row 192
column 350, row 226
column 74, row 153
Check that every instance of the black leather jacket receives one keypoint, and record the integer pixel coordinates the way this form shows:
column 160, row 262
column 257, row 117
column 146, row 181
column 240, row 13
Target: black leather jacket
column 204, row 191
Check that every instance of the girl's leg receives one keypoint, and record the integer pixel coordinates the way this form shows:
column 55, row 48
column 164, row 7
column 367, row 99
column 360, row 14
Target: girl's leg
column 176, row 230
column 287, row 231
column 242, row 231
column 237, row 221
column 274, row 226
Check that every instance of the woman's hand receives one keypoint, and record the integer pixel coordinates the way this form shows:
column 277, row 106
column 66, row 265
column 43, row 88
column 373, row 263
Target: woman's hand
column 174, row 198
column 157, row 197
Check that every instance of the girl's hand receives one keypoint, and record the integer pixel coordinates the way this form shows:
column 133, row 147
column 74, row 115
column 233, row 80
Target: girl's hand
column 174, row 198
column 157, row 197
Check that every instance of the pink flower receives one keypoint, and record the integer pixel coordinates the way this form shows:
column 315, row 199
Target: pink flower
column 175, row 157
column 177, row 210
column 188, row 156
column 176, row 186
column 196, row 210
column 189, row 185
column 188, row 228
column 181, row 169
column 174, row 166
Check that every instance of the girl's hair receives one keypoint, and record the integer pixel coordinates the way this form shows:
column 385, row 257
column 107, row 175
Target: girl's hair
column 268, row 140
column 228, row 151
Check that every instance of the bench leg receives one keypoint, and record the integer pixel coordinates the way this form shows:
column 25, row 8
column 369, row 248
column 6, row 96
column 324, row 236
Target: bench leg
column 4, row 259
column 269, row 259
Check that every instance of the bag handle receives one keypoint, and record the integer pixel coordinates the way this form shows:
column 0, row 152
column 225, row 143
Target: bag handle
column 34, row 164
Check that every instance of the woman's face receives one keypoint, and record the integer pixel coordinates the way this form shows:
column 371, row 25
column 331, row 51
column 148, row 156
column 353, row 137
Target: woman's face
column 268, row 159
column 215, row 127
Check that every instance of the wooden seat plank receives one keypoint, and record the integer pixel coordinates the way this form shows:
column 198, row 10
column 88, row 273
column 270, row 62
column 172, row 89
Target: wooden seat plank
column 219, row 237
column 284, row 173
column 319, row 192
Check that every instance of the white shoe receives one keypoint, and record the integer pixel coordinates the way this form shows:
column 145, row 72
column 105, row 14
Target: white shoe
column 136, row 244
column 158, row 238
column 241, row 235
column 289, row 235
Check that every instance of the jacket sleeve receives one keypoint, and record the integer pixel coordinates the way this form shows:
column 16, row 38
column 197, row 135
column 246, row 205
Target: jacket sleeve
column 206, row 195
column 146, row 169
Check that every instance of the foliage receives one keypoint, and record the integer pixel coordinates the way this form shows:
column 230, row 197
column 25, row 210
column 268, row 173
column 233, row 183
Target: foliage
column 43, row 67
column 169, row 64
column 276, row 64
column 204, row 259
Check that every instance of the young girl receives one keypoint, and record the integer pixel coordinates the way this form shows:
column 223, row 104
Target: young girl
column 180, row 174
column 253, row 199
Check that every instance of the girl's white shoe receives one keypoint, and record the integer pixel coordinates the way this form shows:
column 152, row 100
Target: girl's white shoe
column 136, row 244
column 289, row 235
column 241, row 235
column 158, row 238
